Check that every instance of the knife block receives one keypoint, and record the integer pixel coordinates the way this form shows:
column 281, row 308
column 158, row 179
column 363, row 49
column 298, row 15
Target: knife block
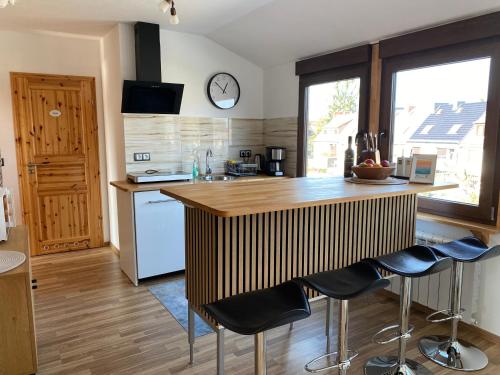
column 366, row 154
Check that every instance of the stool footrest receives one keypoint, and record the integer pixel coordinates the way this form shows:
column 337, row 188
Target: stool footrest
column 344, row 365
column 378, row 337
column 449, row 315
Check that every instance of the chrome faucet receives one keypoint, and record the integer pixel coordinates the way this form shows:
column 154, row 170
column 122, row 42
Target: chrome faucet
column 209, row 154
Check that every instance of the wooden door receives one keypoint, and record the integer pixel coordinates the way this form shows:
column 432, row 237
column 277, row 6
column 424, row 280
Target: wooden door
column 58, row 161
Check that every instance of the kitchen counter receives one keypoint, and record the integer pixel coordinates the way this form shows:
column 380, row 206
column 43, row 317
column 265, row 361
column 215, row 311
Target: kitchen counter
column 252, row 235
column 131, row 187
column 228, row 200
column 151, row 226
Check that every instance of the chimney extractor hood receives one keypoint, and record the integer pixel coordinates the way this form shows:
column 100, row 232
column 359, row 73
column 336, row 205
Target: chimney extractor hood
column 148, row 94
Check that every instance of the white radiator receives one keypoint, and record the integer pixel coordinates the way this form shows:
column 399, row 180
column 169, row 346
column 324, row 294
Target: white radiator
column 434, row 291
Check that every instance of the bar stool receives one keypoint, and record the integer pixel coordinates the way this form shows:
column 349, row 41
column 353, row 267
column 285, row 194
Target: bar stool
column 256, row 312
column 415, row 261
column 449, row 351
column 343, row 284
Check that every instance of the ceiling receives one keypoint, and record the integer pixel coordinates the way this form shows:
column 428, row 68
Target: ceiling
column 267, row 32
column 287, row 30
column 97, row 17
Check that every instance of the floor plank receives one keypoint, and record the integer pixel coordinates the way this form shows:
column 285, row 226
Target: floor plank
column 90, row 320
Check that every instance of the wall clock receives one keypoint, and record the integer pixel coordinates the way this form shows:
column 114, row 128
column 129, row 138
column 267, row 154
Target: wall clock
column 223, row 90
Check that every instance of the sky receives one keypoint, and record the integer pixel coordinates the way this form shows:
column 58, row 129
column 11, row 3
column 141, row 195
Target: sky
column 465, row 81
column 450, row 83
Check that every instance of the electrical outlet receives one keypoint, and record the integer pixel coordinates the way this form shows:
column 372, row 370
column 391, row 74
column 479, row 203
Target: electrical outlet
column 245, row 153
column 142, row 156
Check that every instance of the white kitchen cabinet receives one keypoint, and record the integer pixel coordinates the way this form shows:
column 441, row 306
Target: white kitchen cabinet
column 151, row 230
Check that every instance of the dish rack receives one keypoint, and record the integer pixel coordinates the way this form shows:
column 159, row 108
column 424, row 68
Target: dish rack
column 239, row 168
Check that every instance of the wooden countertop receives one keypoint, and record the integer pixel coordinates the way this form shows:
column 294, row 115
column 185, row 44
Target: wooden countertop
column 18, row 241
column 130, row 187
column 227, row 200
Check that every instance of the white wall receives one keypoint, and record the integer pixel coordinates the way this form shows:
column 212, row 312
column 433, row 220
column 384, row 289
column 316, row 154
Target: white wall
column 48, row 54
column 112, row 81
column 489, row 303
column 281, row 91
column 193, row 59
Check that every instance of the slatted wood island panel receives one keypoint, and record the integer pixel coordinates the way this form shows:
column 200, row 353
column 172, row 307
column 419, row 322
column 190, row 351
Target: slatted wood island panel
column 248, row 236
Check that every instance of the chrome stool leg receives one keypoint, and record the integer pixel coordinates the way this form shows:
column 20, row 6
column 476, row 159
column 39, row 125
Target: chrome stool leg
column 220, row 350
column 449, row 351
column 398, row 365
column 328, row 325
column 344, row 356
column 260, row 353
column 191, row 335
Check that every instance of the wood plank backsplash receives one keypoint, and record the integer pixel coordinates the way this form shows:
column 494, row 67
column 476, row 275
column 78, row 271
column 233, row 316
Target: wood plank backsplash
column 173, row 141
column 283, row 132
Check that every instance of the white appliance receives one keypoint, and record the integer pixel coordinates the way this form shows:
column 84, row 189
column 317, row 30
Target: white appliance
column 153, row 175
column 159, row 234
column 6, row 213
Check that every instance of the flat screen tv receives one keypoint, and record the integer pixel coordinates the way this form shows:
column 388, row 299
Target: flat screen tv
column 152, row 97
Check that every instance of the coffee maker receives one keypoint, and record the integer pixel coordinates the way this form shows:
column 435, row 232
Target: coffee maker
column 275, row 161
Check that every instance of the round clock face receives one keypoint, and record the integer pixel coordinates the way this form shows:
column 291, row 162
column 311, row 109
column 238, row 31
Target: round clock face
column 223, row 90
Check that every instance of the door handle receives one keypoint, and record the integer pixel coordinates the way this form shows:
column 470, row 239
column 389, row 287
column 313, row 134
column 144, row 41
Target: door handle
column 32, row 166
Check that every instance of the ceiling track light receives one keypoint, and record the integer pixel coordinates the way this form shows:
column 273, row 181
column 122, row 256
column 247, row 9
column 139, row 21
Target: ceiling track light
column 165, row 6
column 174, row 18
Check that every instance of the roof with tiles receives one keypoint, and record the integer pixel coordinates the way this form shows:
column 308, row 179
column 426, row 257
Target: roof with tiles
column 449, row 124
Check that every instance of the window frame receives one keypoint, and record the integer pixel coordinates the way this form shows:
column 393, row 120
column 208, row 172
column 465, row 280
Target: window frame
column 361, row 71
column 485, row 212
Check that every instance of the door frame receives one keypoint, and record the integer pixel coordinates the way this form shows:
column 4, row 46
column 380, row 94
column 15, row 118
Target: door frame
column 93, row 160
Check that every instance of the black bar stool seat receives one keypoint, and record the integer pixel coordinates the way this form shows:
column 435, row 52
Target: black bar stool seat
column 468, row 249
column 261, row 310
column 415, row 261
column 347, row 283
column 450, row 351
column 342, row 284
column 412, row 262
column 255, row 312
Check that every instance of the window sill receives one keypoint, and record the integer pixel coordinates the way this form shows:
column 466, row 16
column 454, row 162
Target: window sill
column 482, row 231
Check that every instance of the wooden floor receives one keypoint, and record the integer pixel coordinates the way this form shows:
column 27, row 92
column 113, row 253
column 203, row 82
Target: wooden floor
column 91, row 320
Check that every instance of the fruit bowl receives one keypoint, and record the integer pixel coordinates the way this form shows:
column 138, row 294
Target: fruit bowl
column 373, row 173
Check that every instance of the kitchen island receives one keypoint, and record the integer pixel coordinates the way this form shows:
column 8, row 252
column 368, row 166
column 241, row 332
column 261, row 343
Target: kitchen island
column 248, row 236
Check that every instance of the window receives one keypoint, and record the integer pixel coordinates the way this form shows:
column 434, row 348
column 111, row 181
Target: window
column 332, row 117
column 333, row 106
column 479, row 130
column 442, row 152
column 448, row 91
column 427, row 128
column 455, row 128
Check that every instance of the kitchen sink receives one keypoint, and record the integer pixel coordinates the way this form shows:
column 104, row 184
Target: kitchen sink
column 216, row 177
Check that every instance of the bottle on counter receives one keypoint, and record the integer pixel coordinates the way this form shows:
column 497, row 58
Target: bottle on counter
column 348, row 158
column 196, row 168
